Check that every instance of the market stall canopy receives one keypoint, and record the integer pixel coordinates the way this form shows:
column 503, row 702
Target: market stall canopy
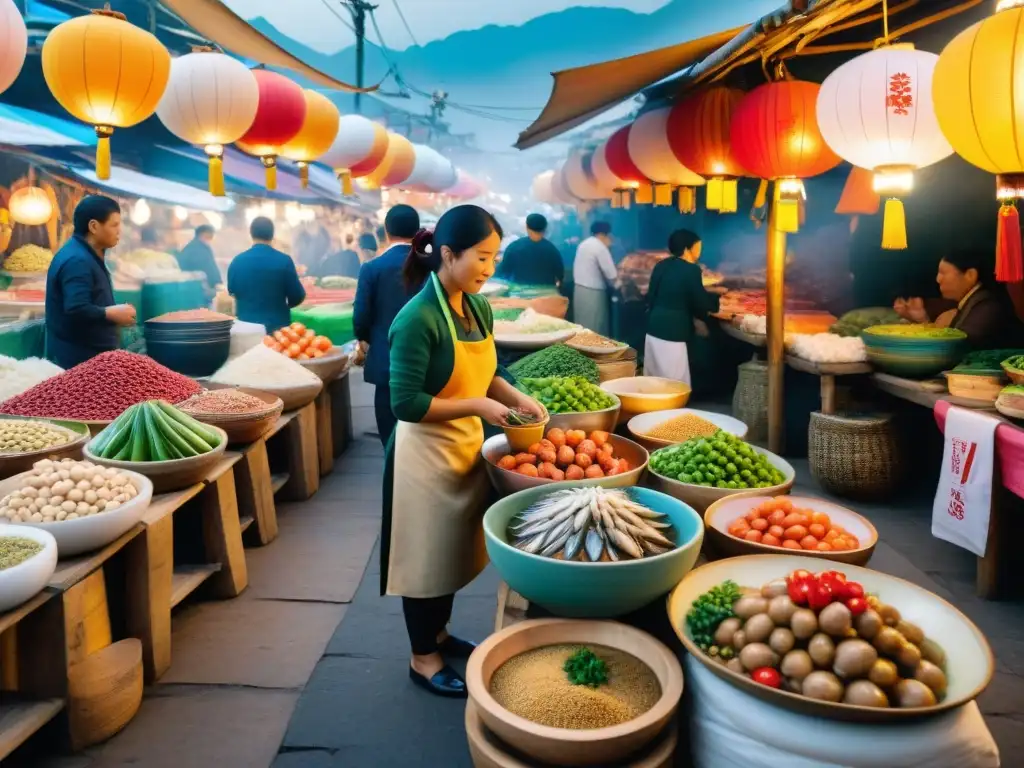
column 129, row 182
column 218, row 23
column 584, row 92
column 21, row 127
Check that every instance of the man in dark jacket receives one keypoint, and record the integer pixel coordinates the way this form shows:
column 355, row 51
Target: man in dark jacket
column 341, row 263
column 197, row 256
column 81, row 318
column 264, row 281
column 532, row 260
column 380, row 295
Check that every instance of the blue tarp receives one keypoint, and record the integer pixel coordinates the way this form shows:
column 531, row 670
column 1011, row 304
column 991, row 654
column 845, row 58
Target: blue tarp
column 26, row 127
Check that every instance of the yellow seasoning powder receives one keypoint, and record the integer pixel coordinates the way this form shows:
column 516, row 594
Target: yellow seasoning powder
column 682, row 428
column 534, row 686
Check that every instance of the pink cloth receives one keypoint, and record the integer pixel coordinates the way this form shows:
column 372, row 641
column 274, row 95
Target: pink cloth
column 1009, row 450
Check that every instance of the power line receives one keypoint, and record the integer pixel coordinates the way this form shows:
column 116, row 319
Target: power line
column 338, row 16
column 405, row 23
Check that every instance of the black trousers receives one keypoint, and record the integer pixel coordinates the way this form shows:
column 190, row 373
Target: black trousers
column 425, row 618
column 386, row 420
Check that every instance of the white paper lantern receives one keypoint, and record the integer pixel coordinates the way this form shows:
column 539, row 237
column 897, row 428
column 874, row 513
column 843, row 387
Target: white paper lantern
column 358, row 149
column 13, row 43
column 650, row 151
column 876, row 112
column 560, row 188
column 605, row 179
column 541, row 189
column 443, row 176
column 211, row 100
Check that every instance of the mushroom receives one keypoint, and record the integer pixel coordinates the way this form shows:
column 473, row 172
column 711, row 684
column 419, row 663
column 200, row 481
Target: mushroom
column 725, row 631
column 835, row 619
column 774, row 588
column 781, row 610
column 914, row 693
column 758, row 628
column 823, row 686
column 746, row 607
column 868, row 624
column 757, row 655
column 781, row 640
column 804, row 623
column 854, row 658
column 883, row 673
column 863, row 693
column 796, row 665
column 932, row 676
column 822, row 650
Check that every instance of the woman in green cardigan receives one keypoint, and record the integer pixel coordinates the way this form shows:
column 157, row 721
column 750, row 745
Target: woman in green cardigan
column 443, row 383
column 676, row 303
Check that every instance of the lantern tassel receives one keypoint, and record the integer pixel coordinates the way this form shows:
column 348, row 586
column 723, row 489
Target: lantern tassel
column 894, row 226
column 644, row 194
column 103, row 134
column 687, row 200
column 730, row 196
column 271, row 173
column 304, row 174
column 216, row 176
column 762, row 194
column 663, row 194
column 1009, row 261
column 788, row 216
column 714, row 194
column 346, row 183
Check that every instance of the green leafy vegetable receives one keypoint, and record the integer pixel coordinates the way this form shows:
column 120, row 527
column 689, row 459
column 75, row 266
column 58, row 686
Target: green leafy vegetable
column 709, row 610
column 1015, row 363
column 585, row 667
column 556, row 360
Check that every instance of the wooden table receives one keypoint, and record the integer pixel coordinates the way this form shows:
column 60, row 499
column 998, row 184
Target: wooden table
column 827, row 372
column 926, row 393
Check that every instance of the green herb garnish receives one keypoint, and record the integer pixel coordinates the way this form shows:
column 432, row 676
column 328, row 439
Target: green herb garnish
column 709, row 610
column 584, row 667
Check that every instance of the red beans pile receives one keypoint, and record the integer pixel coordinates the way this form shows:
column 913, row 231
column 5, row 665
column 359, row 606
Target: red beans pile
column 102, row 388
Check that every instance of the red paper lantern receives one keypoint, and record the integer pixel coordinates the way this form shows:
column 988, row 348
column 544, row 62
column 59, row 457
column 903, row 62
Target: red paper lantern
column 698, row 132
column 775, row 135
column 279, row 118
column 622, row 165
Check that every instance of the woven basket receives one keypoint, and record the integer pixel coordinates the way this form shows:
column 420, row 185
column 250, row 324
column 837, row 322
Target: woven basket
column 750, row 400
column 854, row 456
column 622, row 368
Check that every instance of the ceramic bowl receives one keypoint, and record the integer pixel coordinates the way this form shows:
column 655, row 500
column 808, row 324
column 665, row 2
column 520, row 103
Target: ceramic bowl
column 191, row 358
column 700, row 497
column 86, row 534
column 244, row 428
column 27, row 579
column 644, row 422
column 969, row 660
column 533, row 340
column 172, row 475
column 590, row 421
column 722, row 513
column 593, row 590
column 507, row 481
column 13, row 463
column 912, row 356
column 566, row 746
column 643, row 394
column 330, row 366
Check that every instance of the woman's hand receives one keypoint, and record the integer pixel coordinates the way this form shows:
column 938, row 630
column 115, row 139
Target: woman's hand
column 493, row 412
column 911, row 309
column 526, row 403
column 700, row 328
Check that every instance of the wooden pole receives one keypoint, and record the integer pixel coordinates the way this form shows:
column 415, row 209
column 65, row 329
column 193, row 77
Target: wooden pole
column 776, row 285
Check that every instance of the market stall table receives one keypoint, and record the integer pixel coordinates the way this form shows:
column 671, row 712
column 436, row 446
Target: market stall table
column 827, row 372
column 927, row 392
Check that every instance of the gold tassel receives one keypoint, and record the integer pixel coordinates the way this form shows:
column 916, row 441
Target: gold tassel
column 762, row 194
column 788, row 216
column 346, row 183
column 894, row 226
column 627, row 199
column 687, row 200
column 730, row 196
column 271, row 168
column 663, row 194
column 715, row 191
column 616, row 199
column 216, row 176
column 304, row 174
column 644, row 194
column 103, row 134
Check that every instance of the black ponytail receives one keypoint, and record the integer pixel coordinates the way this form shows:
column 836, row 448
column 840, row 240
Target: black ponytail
column 460, row 228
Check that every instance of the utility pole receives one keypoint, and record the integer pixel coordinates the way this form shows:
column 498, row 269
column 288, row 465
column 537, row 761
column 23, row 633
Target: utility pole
column 359, row 9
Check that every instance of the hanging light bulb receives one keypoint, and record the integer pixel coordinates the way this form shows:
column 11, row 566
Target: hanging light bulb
column 141, row 213
column 180, row 213
column 31, row 206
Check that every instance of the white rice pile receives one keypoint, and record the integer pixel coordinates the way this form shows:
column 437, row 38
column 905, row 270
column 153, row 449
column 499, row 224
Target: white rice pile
column 17, row 376
column 245, row 336
column 262, row 366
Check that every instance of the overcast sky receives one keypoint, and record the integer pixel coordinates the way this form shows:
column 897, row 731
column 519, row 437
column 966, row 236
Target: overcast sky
column 313, row 23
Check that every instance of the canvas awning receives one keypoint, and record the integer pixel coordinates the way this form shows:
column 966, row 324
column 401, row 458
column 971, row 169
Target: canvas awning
column 581, row 93
column 20, row 127
column 135, row 184
column 218, row 23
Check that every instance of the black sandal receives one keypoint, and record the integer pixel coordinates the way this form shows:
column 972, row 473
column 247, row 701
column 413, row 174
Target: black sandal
column 447, row 683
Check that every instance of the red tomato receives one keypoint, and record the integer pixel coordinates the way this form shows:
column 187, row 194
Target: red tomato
column 800, row 575
column 835, row 575
column 298, row 328
column 818, row 596
column 835, row 581
column 767, row 676
column 857, row 605
column 852, row 590
column 798, row 590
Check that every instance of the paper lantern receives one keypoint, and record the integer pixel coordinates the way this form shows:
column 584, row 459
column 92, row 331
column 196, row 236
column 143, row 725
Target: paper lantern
column 634, row 180
column 775, row 136
column 432, row 172
column 876, row 112
column 698, row 133
column 319, row 129
column 604, row 179
column 13, row 43
column 560, row 189
column 579, row 178
column 30, row 206
column 976, row 90
column 651, row 153
column 396, row 166
column 210, row 100
column 443, row 175
column 540, row 188
column 357, row 150
column 105, row 72
column 279, row 118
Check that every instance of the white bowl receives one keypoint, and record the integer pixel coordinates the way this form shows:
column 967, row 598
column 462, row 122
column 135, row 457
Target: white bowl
column 24, row 581
column 645, row 422
column 533, row 340
column 86, row 534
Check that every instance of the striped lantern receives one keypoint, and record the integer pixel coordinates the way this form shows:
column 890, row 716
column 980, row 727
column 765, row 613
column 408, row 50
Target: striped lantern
column 621, row 164
column 396, row 166
column 579, row 177
column 319, row 129
column 279, row 118
column 651, row 152
column 357, row 150
column 560, row 188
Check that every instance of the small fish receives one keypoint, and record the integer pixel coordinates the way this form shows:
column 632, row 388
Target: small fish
column 611, row 550
column 533, row 545
column 558, row 543
column 593, row 545
column 574, row 545
column 582, row 518
column 556, row 531
column 625, row 543
column 651, row 548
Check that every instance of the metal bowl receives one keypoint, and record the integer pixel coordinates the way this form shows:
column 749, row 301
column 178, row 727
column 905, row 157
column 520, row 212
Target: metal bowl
column 589, row 421
column 330, row 366
column 507, row 481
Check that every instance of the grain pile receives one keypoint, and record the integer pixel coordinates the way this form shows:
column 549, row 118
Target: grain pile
column 682, row 428
column 534, row 685
column 591, row 339
column 227, row 401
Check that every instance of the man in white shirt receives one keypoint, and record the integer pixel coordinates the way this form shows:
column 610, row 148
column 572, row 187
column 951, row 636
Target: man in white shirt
column 593, row 272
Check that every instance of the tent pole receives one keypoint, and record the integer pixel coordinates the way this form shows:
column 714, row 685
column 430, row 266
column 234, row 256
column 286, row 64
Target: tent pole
column 776, row 287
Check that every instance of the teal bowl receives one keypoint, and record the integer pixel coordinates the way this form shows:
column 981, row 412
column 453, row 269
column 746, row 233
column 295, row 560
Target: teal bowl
column 593, row 590
column 913, row 357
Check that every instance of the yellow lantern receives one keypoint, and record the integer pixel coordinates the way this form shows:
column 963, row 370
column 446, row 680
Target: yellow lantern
column 105, row 72
column 396, row 166
column 975, row 89
column 319, row 129
column 31, row 206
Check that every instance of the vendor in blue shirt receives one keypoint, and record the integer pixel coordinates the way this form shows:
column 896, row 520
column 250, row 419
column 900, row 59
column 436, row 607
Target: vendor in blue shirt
column 264, row 280
column 81, row 318
column 532, row 260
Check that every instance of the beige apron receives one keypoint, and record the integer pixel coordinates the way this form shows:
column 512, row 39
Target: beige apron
column 440, row 488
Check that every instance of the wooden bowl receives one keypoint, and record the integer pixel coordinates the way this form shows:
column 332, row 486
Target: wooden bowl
column 330, row 366
column 13, row 463
column 643, row 394
column 721, row 514
column 645, row 422
column 292, row 398
column 171, row 475
column 969, row 660
column 565, row 746
column 248, row 427
column 507, row 481
column 533, row 340
column 599, row 353
column 488, row 751
column 700, row 497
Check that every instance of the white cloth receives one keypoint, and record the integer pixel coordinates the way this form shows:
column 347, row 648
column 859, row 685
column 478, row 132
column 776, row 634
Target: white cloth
column 963, row 500
column 667, row 359
column 593, row 267
column 729, row 728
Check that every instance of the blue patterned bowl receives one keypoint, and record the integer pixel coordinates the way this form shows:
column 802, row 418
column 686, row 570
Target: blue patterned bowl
column 913, row 356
